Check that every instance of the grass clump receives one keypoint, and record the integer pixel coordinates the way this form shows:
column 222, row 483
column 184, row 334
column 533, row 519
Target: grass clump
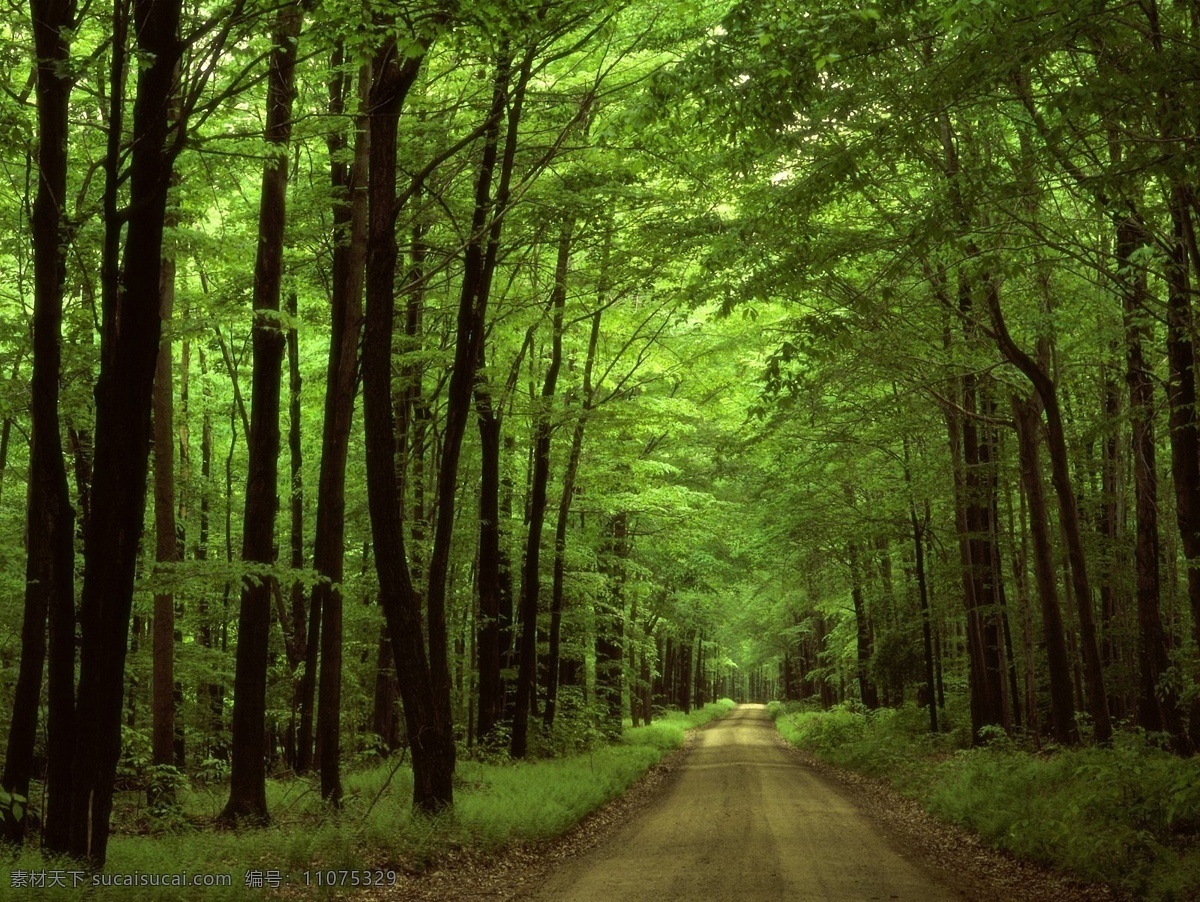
column 497, row 803
column 1128, row 815
column 668, row 732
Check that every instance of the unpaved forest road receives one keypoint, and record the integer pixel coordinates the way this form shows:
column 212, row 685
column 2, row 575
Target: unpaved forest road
column 744, row 820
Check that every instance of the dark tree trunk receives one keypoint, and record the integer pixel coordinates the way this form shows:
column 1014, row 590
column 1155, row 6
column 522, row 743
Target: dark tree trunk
column 210, row 694
column 610, row 624
column 349, row 259
column 494, row 576
column 1113, row 603
column 1068, row 509
column 49, row 573
column 1158, row 703
column 478, row 269
column 1028, row 422
column 1185, row 435
column 384, row 716
column 866, row 686
column 553, row 677
column 644, row 680
column 298, row 647
column 685, row 676
column 130, row 329
column 166, row 547
column 989, row 589
column 424, row 679
column 491, row 686
column 247, row 794
column 918, row 533
column 531, row 576
column 972, row 505
column 984, row 678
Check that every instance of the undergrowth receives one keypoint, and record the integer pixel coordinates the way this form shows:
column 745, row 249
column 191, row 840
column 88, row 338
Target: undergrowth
column 1128, row 815
column 496, row 804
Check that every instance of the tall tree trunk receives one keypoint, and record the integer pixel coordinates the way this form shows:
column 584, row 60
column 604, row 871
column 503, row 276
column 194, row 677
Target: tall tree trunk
column 493, row 635
column 298, row 648
column 247, row 793
column 212, row 694
column 610, row 627
column 1028, row 421
column 130, row 329
column 385, row 720
column 491, row 686
column 918, row 534
column 685, row 675
column 349, row 259
column 867, row 692
column 1112, row 600
column 1068, row 509
column 1181, row 397
column 423, row 677
column 1158, row 703
column 543, row 432
column 166, row 544
column 568, row 490
column 49, row 573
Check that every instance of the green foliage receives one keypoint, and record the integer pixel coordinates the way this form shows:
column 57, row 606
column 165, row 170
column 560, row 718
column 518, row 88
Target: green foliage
column 1128, row 815
column 578, row 726
column 668, row 732
column 13, row 805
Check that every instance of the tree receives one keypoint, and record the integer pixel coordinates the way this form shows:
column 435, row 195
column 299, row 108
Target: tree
column 128, row 355
column 49, row 580
column 247, row 796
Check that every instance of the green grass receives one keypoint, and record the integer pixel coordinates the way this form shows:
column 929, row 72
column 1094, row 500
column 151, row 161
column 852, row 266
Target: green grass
column 1128, row 815
column 496, row 804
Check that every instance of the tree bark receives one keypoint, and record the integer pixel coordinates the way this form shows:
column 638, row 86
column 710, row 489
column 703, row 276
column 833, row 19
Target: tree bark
column 568, row 491
column 166, row 547
column 1068, row 515
column 1028, row 421
column 130, row 327
column 349, row 259
column 247, row 793
column 610, row 622
column 1158, row 703
column 424, row 692
column 543, row 432
column 491, row 686
column 1181, row 397
column 50, row 524
column 867, row 692
column 297, row 648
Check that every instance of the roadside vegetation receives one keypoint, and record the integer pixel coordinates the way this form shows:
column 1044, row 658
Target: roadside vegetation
column 1127, row 815
column 498, row 803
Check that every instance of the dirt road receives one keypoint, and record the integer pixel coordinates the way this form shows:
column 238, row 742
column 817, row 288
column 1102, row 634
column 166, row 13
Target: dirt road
column 744, row 820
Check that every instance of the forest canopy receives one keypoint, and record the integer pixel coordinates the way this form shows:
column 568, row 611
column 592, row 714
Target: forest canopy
column 470, row 379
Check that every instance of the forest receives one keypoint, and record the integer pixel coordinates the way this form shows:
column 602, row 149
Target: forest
column 415, row 384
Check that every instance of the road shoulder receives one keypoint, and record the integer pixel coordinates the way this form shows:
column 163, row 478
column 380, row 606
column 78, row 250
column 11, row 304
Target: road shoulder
column 954, row 856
